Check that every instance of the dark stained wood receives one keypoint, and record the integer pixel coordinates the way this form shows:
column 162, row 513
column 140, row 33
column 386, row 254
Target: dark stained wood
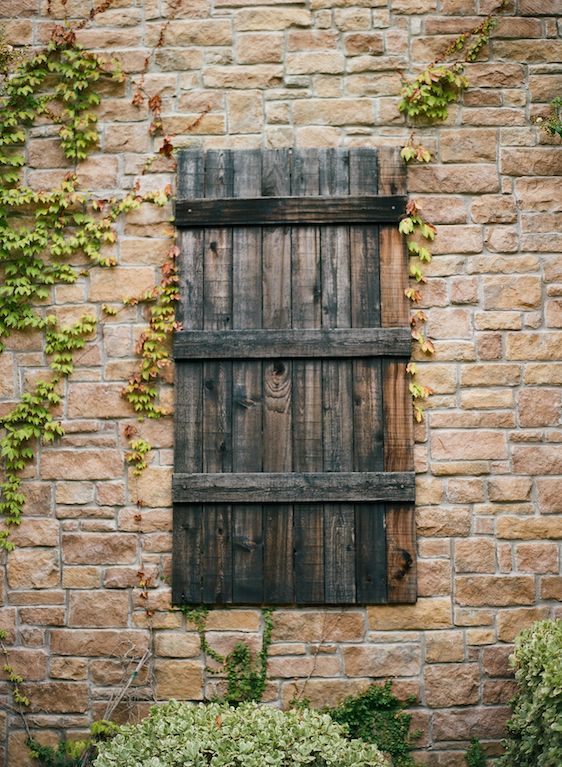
column 217, row 384
column 264, row 487
column 247, row 408
column 294, row 477
column 367, row 392
column 339, row 519
column 306, row 293
column 259, row 344
column 398, row 422
column 279, row 582
column 188, row 423
column 276, row 211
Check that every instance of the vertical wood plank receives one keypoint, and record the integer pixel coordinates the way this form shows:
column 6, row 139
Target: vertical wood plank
column 339, row 519
column 188, row 422
column 217, row 384
column 306, row 301
column 279, row 581
column 367, row 387
column 398, row 421
column 247, row 386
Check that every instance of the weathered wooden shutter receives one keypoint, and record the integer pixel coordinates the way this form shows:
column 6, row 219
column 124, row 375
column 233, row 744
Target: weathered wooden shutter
column 293, row 475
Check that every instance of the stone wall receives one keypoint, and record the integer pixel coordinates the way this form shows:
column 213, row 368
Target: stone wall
column 489, row 455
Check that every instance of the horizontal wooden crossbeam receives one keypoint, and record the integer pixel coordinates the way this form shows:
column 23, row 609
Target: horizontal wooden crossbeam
column 276, row 211
column 267, row 487
column 267, row 344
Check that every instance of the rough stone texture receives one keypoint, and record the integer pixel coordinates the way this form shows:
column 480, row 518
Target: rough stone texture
column 87, row 584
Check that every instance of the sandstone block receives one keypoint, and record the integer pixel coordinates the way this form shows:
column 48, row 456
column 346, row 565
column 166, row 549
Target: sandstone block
column 179, row 679
column 315, row 63
column 487, row 722
column 68, row 668
column 500, row 590
column 512, row 292
column 428, row 491
column 468, row 145
column 511, row 622
column 434, row 577
column 382, row 661
column 551, row 587
column 461, row 445
column 538, row 161
column 529, row 528
column 126, row 281
column 251, row 19
column 539, row 407
column 425, row 614
column 323, row 692
column 539, row 459
column 538, row 194
column 126, row 138
column 99, row 548
column 549, row 495
column 490, row 374
column 534, row 346
column 245, row 112
column 43, row 616
column 444, row 646
column 493, row 209
column 57, row 697
column 498, row 691
column 531, row 51
column 247, row 77
column 29, row 663
column 33, row 568
column 292, row 666
column 259, row 48
column 316, row 625
column 81, row 577
column 154, row 486
column 98, row 609
column 97, row 400
column 475, row 555
column 234, row 620
column 81, row 464
column 441, row 693
column 454, row 179
column 449, row 323
column 443, row 522
column 333, row 112
column 206, row 32
column 177, row 645
column 465, row 490
column 371, row 43
column 93, row 643
column 509, row 488
column 36, row 532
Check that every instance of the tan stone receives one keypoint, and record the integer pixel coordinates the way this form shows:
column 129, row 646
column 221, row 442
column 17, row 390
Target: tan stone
column 28, row 663
column 234, row 620
column 469, row 616
column 443, row 521
column 538, row 194
column 534, row 346
column 429, row 491
column 493, row 116
column 484, row 399
column 501, row 591
column 474, row 179
column 551, row 587
column 247, row 77
column 98, row 609
column 539, row 407
column 245, row 112
column 33, row 568
column 68, row 668
column 529, row 528
column 179, row 679
column 125, row 281
column 440, row 692
column 538, row 161
column 425, row 614
column 323, row 692
column 493, row 209
column 371, row 43
column 43, row 616
column 98, row 642
column 315, row 62
column 333, row 112
column 466, row 145
column 539, row 459
column 512, row 292
column 475, row 555
column 511, row 622
column 444, row 646
column 81, row 464
column 382, row 660
column 81, row 577
column 549, row 492
column 509, row 488
column 177, row 645
column 154, row 486
column 317, row 625
column 434, row 577
column 532, row 51
column 259, row 48
column 292, row 666
column 35, row 532
column 489, row 374
column 57, row 697
column 99, row 548
column 272, row 19
column 498, row 691
column 458, row 445
column 485, row 722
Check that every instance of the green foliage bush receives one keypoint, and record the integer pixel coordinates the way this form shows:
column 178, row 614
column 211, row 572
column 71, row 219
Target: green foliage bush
column 535, row 727
column 72, row 753
column 475, row 756
column 187, row 735
column 377, row 716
